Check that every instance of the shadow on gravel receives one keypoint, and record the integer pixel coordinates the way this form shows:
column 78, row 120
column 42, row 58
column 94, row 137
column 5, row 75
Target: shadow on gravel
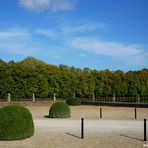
column 47, row 116
column 73, row 135
column 131, row 137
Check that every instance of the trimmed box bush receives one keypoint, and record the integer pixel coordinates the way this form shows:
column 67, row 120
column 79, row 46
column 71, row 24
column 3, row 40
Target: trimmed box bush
column 59, row 110
column 73, row 101
column 16, row 123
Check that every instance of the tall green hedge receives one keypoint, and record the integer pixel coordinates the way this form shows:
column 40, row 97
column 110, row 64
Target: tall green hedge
column 59, row 110
column 16, row 123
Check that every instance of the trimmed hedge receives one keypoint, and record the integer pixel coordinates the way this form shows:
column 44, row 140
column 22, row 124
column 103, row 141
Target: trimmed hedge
column 16, row 123
column 73, row 101
column 59, row 110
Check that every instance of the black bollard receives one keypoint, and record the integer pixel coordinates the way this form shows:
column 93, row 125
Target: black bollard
column 100, row 113
column 82, row 128
column 135, row 113
column 144, row 129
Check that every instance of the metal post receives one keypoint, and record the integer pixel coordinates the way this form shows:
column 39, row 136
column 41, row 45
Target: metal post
column 144, row 129
column 135, row 113
column 82, row 128
column 100, row 113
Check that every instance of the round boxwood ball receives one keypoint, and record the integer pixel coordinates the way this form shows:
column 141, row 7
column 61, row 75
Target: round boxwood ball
column 16, row 123
column 59, row 110
column 73, row 101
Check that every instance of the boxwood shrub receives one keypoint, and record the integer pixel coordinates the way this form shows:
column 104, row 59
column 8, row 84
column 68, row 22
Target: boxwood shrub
column 16, row 123
column 73, row 101
column 59, row 110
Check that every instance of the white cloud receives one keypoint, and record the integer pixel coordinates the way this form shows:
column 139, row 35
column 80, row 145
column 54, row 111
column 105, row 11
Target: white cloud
column 129, row 53
column 137, row 60
column 18, row 41
column 107, row 48
column 62, row 5
column 22, row 41
column 14, row 32
column 83, row 55
column 35, row 4
column 52, row 5
column 47, row 32
column 83, row 27
column 87, row 27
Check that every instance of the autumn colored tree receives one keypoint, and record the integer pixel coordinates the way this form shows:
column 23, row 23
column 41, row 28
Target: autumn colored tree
column 31, row 75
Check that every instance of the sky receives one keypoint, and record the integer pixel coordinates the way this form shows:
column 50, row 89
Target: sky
column 99, row 34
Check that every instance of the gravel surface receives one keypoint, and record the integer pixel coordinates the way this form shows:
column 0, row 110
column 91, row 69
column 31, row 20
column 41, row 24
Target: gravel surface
column 117, row 129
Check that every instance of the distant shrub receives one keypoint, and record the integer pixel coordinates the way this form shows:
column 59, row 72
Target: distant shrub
column 73, row 101
column 59, row 110
column 16, row 123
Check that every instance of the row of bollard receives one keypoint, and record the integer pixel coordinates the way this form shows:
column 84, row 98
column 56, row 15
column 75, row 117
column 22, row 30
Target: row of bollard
column 135, row 113
column 82, row 129
column 82, row 124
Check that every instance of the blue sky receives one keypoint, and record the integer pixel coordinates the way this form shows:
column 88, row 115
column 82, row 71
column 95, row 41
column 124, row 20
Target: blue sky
column 99, row 34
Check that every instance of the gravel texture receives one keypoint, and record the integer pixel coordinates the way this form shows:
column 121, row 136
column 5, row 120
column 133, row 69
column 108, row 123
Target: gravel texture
column 117, row 129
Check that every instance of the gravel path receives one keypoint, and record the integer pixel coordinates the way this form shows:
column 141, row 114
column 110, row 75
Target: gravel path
column 132, row 129
column 120, row 132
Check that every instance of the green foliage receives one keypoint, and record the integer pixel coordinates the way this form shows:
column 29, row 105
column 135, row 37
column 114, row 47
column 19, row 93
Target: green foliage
column 59, row 110
column 42, row 86
column 31, row 75
column 85, row 85
column 73, row 101
column 6, row 80
column 32, row 61
column 16, row 123
column 66, row 84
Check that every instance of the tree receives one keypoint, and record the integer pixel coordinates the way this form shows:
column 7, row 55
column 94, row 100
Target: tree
column 42, row 86
column 99, row 82
column 6, row 81
column 31, row 75
column 118, row 85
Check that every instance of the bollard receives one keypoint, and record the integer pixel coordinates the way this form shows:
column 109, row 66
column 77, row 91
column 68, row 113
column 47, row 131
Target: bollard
column 82, row 128
column 100, row 113
column 144, row 129
column 135, row 113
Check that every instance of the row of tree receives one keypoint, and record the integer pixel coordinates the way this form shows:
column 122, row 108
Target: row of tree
column 31, row 75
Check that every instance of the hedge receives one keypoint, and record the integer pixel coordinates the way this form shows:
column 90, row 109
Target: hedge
column 16, row 123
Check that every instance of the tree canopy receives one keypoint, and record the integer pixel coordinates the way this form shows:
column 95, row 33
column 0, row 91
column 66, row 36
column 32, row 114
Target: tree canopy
column 31, row 75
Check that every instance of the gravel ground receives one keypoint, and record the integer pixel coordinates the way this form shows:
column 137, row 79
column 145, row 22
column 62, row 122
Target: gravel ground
column 117, row 129
column 93, row 112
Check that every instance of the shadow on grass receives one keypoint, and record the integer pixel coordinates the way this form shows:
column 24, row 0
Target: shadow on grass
column 131, row 137
column 73, row 135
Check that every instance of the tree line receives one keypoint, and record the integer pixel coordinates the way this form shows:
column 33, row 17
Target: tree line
column 31, row 75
